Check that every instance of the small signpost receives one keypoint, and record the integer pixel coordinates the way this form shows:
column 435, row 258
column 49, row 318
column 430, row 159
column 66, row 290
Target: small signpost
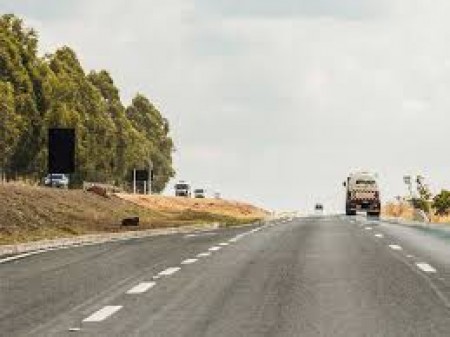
column 145, row 177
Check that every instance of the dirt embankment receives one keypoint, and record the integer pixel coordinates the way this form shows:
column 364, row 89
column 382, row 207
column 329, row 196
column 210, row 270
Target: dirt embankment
column 35, row 213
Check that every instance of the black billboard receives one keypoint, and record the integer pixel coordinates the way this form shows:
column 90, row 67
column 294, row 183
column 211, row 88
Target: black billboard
column 61, row 150
column 142, row 175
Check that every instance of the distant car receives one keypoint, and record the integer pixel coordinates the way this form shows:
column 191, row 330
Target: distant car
column 199, row 193
column 57, row 180
column 319, row 207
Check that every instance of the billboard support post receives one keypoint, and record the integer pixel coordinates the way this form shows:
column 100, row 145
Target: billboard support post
column 150, row 176
column 134, row 181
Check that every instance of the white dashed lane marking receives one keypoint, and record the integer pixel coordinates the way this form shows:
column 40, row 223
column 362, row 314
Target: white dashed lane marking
column 141, row 288
column 195, row 235
column 103, row 313
column 240, row 236
column 369, row 228
column 223, row 244
column 169, row 271
column 425, row 267
column 395, row 247
column 380, row 236
column 214, row 249
column 189, row 261
column 204, row 254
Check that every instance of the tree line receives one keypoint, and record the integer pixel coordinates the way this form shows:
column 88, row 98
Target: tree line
column 40, row 92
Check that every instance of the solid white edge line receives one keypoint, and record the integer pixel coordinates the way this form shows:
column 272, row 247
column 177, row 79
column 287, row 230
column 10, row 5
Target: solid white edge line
column 169, row 271
column 141, row 288
column 103, row 313
column 15, row 257
column 425, row 267
column 189, row 261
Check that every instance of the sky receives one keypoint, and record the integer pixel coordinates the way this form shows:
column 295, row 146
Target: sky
column 275, row 102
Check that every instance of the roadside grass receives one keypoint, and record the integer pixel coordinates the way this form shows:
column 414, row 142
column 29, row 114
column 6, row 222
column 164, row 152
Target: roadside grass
column 223, row 220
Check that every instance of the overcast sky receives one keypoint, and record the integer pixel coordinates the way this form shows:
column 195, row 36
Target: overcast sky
column 274, row 102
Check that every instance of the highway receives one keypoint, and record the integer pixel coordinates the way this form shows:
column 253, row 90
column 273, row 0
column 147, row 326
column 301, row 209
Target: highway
column 306, row 276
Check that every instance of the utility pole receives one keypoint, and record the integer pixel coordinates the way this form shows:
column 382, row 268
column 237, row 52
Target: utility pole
column 407, row 180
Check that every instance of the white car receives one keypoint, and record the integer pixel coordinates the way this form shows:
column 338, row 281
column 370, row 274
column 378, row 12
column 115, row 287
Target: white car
column 57, row 180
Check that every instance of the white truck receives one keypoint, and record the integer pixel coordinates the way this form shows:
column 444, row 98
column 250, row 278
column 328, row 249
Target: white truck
column 183, row 189
column 362, row 194
column 199, row 193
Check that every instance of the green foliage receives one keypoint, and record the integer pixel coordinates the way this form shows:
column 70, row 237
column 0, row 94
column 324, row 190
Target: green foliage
column 10, row 124
column 53, row 91
column 419, row 203
column 441, row 203
column 149, row 121
column 423, row 189
column 423, row 200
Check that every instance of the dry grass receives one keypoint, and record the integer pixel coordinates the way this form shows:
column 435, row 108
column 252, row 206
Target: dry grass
column 35, row 213
column 398, row 210
column 405, row 211
column 174, row 205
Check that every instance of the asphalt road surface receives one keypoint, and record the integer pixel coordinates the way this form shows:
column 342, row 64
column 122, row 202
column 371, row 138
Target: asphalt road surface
column 316, row 276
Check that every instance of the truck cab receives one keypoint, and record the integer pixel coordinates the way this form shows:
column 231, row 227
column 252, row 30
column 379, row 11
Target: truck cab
column 183, row 189
column 362, row 194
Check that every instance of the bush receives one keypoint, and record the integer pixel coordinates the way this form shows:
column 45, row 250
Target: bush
column 421, row 204
column 441, row 203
